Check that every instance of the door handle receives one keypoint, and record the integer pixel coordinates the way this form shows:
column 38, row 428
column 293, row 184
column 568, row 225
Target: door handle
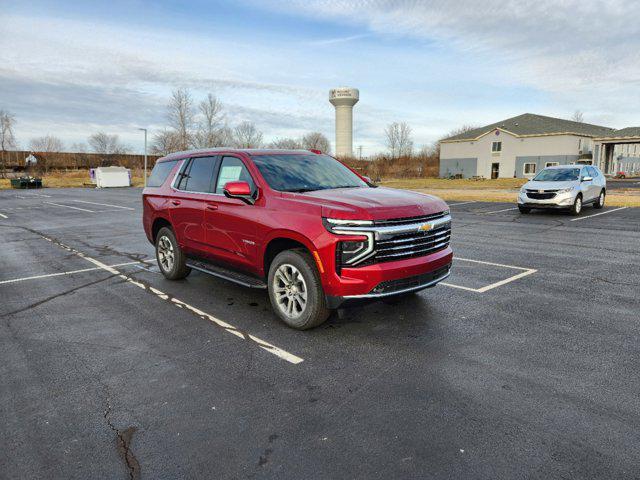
column 212, row 206
column 176, row 202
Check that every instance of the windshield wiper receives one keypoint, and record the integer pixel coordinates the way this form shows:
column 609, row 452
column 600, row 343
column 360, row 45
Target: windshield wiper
column 301, row 190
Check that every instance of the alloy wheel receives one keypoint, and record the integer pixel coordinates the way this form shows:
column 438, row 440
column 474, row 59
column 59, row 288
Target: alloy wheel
column 166, row 255
column 290, row 290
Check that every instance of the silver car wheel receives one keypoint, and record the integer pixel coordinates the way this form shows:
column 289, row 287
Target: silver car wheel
column 601, row 199
column 290, row 290
column 166, row 255
column 578, row 204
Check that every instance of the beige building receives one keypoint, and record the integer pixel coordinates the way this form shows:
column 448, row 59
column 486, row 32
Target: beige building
column 521, row 146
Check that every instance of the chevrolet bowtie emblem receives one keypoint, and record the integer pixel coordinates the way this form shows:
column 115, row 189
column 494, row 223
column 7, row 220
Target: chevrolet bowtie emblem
column 540, row 191
column 425, row 228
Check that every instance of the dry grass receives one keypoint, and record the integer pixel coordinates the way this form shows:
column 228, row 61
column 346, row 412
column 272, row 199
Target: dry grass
column 73, row 178
column 443, row 183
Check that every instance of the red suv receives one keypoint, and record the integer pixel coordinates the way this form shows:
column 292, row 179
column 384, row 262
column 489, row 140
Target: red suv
column 298, row 223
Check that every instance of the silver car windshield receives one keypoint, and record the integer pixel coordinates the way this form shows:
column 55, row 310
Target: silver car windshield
column 558, row 175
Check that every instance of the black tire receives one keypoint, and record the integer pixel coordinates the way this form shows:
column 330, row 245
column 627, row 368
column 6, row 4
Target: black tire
column 524, row 210
column 177, row 268
column 282, row 294
column 600, row 202
column 577, row 206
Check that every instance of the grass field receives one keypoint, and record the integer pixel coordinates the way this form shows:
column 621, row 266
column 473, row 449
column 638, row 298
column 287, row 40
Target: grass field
column 500, row 190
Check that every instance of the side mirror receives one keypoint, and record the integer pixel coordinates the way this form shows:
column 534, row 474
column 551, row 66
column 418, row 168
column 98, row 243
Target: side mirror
column 587, row 179
column 239, row 190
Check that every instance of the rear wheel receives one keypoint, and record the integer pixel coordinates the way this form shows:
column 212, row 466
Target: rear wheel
column 171, row 259
column 295, row 290
column 577, row 206
column 523, row 209
column 600, row 202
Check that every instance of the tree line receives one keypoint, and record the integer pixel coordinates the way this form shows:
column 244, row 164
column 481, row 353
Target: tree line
column 205, row 125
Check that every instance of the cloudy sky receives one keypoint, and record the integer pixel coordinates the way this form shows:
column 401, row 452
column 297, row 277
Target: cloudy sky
column 71, row 68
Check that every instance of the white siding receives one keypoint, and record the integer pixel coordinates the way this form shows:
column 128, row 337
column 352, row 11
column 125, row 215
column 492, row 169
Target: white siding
column 513, row 147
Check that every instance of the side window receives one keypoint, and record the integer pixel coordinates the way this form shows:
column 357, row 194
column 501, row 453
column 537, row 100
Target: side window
column 584, row 173
column 199, row 175
column 232, row 170
column 592, row 172
column 160, row 173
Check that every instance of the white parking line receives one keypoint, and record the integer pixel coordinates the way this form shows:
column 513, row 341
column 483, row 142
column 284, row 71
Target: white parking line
column 498, row 211
column 68, row 206
column 486, row 288
column 104, row 204
column 3, row 216
column 461, row 203
column 596, row 214
column 34, row 195
column 266, row 346
column 59, row 274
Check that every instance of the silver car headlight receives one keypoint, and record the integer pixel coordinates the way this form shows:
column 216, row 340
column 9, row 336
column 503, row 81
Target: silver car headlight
column 523, row 190
column 566, row 190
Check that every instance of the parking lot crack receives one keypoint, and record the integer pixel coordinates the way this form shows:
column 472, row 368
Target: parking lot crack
column 123, row 439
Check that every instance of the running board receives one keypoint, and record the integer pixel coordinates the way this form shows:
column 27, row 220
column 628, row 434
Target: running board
column 226, row 274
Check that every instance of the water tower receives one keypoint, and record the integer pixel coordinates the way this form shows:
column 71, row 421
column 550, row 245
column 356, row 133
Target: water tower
column 344, row 98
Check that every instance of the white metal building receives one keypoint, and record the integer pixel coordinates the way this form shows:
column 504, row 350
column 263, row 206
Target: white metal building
column 521, row 146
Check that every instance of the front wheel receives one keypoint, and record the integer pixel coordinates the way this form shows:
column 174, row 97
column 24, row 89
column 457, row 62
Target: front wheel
column 577, row 206
column 600, row 202
column 295, row 290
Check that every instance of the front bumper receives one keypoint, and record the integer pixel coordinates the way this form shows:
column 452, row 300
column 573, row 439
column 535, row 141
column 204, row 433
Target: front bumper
column 373, row 282
column 561, row 200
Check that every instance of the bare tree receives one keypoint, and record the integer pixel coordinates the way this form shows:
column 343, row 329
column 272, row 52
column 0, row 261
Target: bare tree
column 246, row 135
column 578, row 116
column 7, row 139
column 210, row 126
column 460, row 130
column 316, row 141
column 398, row 138
column 286, row 144
column 48, row 143
column 107, row 144
column 79, row 147
column 164, row 143
column 181, row 117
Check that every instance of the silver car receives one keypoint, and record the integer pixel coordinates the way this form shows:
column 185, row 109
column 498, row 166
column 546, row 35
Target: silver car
column 565, row 187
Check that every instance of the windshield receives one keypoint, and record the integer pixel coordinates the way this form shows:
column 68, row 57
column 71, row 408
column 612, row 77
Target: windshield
column 305, row 172
column 557, row 175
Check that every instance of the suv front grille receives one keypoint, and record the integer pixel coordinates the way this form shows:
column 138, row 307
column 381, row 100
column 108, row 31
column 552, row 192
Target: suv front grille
column 545, row 195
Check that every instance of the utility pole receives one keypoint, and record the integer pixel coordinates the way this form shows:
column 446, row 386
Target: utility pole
column 145, row 155
column 360, row 151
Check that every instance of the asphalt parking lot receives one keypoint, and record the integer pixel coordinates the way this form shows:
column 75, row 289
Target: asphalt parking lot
column 526, row 364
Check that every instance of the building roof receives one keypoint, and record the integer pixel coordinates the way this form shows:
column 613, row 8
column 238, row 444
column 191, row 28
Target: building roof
column 530, row 124
column 623, row 133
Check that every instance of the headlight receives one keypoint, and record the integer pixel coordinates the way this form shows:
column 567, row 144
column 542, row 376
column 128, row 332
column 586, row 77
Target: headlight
column 566, row 190
column 353, row 251
column 523, row 190
column 347, row 251
column 446, row 212
column 332, row 224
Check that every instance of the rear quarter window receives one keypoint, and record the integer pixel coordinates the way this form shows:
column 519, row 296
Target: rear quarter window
column 160, row 173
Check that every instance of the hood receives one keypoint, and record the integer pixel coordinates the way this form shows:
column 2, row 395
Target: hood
column 373, row 203
column 551, row 185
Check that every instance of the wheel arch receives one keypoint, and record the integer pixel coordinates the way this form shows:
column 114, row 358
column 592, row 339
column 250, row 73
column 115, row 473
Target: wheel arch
column 158, row 223
column 281, row 241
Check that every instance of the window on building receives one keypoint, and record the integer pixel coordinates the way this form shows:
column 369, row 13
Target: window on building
column 529, row 168
column 551, row 164
column 496, row 147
